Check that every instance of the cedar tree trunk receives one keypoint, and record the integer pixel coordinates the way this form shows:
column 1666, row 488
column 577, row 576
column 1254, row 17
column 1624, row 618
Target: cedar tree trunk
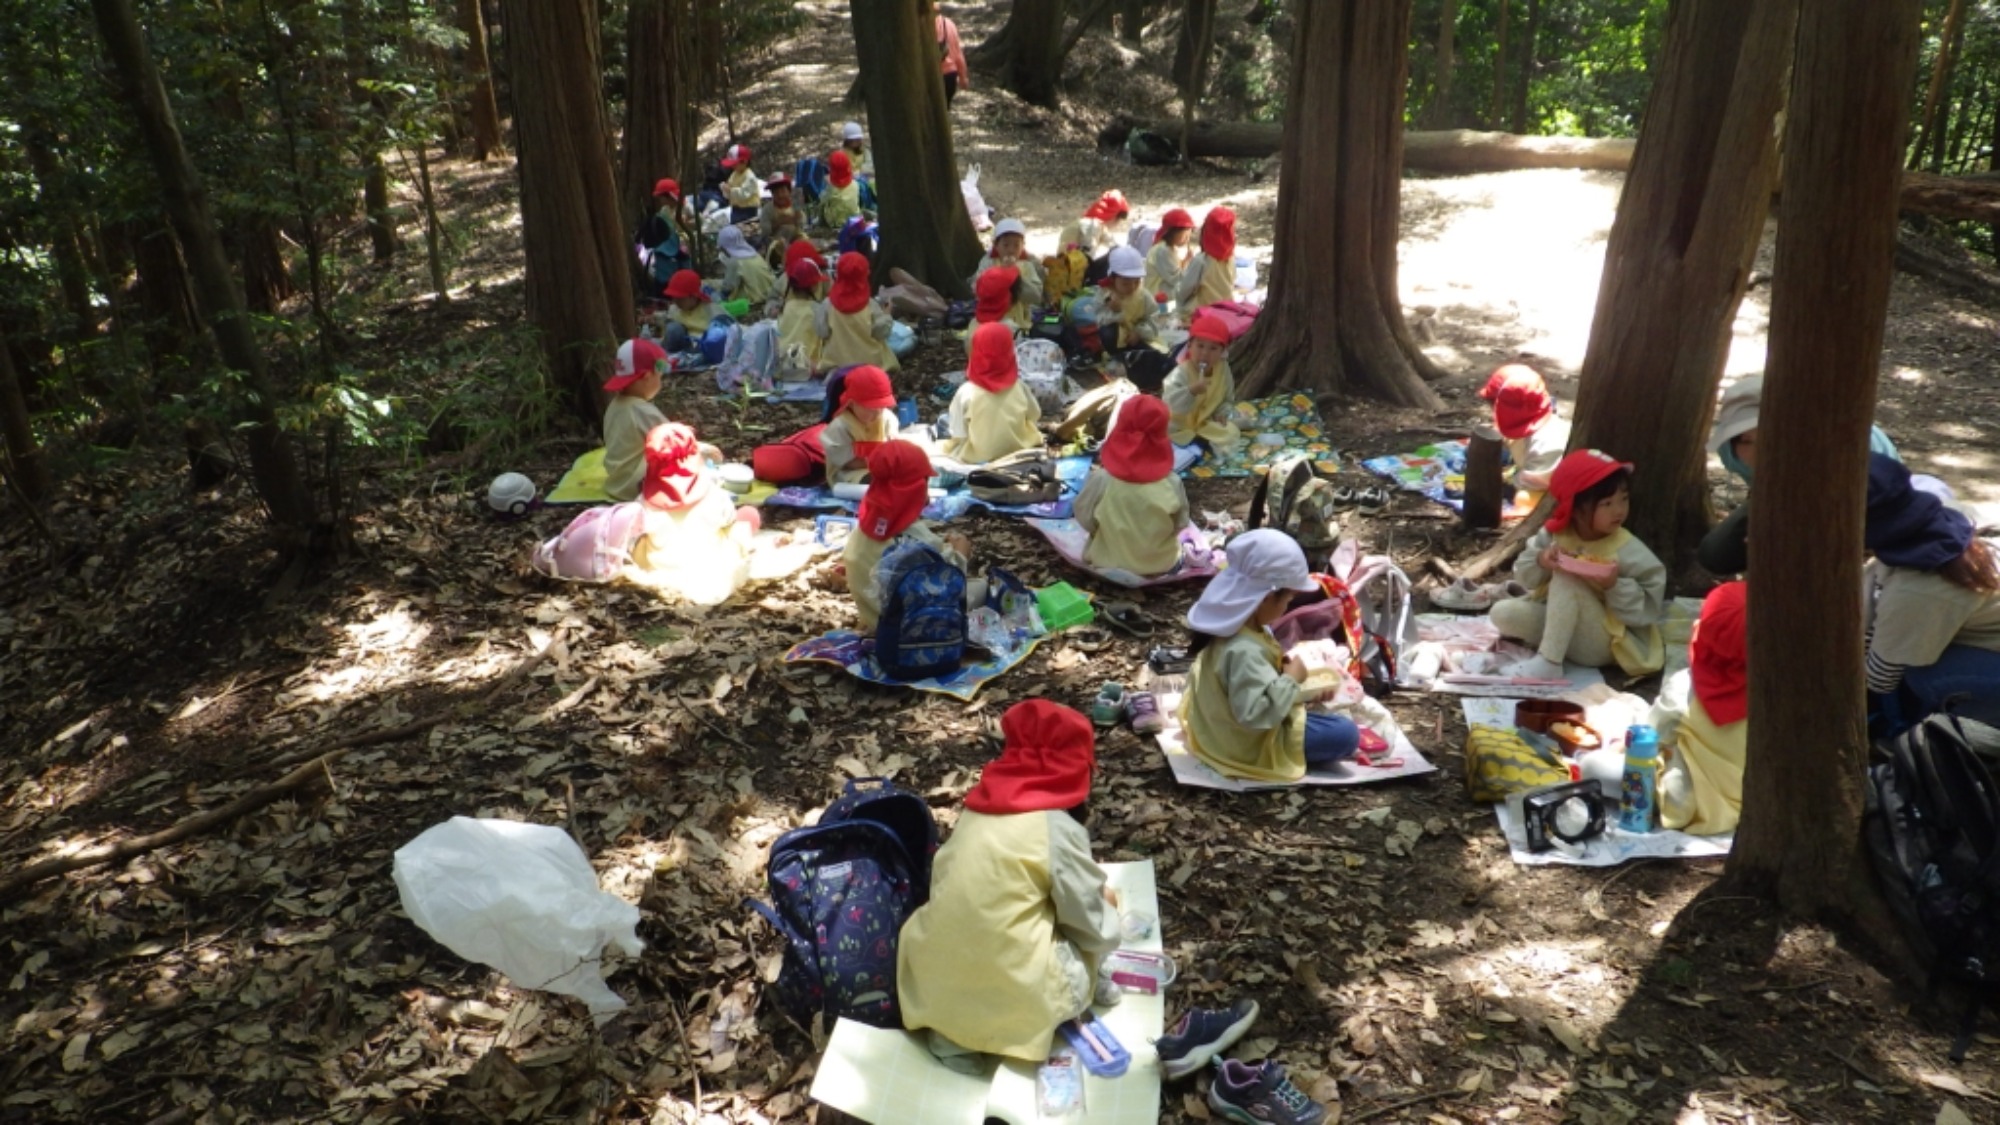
column 1529, row 37
column 925, row 229
column 1192, row 46
column 579, row 283
column 1025, row 52
column 24, row 457
column 659, row 125
column 1493, row 118
column 1334, row 320
column 1679, row 257
column 279, row 480
column 1437, row 113
column 1800, row 840
column 375, row 200
column 479, row 69
column 1930, row 124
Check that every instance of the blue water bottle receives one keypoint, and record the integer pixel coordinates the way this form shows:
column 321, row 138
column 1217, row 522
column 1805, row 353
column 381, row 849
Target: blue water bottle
column 1638, row 807
column 906, row 413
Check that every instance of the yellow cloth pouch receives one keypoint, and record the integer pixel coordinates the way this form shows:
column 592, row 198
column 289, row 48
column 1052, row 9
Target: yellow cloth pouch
column 1499, row 761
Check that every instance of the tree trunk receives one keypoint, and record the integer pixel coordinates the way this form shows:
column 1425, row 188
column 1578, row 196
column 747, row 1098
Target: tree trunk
column 1679, row 257
column 479, row 70
column 1493, row 115
column 1530, row 36
column 1800, row 838
column 1023, row 53
column 1438, row 111
column 1197, row 34
column 169, row 318
column 276, row 470
column 925, row 229
column 1334, row 320
column 1931, row 123
column 1975, row 198
column 579, row 285
column 1131, row 21
column 658, row 106
column 1449, row 151
column 375, row 200
column 64, row 244
column 24, row 457
column 1993, row 164
column 267, row 283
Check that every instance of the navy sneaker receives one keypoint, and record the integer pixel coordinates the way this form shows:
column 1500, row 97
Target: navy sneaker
column 1261, row 1095
column 1202, row 1034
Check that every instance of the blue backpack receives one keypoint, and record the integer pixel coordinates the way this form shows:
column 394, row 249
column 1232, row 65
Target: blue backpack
column 922, row 630
column 840, row 893
column 809, row 176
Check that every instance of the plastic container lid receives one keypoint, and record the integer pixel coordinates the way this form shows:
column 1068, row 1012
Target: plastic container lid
column 1063, row 605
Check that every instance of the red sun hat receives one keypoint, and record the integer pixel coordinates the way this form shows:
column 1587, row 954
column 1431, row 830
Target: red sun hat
column 637, row 358
column 1110, row 205
column 684, row 283
column 1176, row 219
column 1046, row 765
column 805, row 273
column 778, row 181
column 992, row 367
column 1137, row 449
column 899, row 478
column 850, row 283
column 666, row 187
column 1718, row 654
column 993, row 293
column 801, row 251
column 1520, row 399
column 675, row 475
column 839, row 168
column 867, row 386
column 735, row 156
column 1218, row 234
column 1576, row 472
column 1208, row 326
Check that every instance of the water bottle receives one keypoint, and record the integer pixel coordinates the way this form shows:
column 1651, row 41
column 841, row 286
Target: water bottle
column 1638, row 807
column 906, row 413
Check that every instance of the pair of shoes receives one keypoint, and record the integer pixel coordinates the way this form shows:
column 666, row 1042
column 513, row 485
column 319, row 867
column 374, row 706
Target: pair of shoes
column 1109, row 706
column 1127, row 618
column 1261, row 1095
column 1142, row 710
column 1536, row 667
column 1166, row 660
column 1201, row 1034
column 1365, row 497
column 1467, row 596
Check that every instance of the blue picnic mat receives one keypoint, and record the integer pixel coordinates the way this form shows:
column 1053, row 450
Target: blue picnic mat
column 1279, row 426
column 855, row 655
column 1436, row 470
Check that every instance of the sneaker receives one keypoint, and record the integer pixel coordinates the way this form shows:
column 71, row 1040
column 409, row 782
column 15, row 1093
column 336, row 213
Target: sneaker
column 1142, row 710
column 1109, row 705
column 1260, row 1095
column 1463, row 596
column 1537, row 667
column 1201, row 1034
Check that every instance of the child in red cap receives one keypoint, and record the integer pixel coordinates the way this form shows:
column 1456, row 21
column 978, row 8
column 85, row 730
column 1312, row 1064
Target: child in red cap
column 1201, row 393
column 1102, row 226
column 865, row 421
column 1171, row 254
column 1211, row 277
column 1009, row 250
column 660, row 234
column 1526, row 417
column 899, row 477
column 1597, row 591
column 742, row 189
column 1706, row 735
column 630, row 416
column 1133, row 504
column 996, row 298
column 780, row 220
column 841, row 200
column 797, row 312
column 696, row 543
column 853, row 328
column 992, row 414
column 688, row 313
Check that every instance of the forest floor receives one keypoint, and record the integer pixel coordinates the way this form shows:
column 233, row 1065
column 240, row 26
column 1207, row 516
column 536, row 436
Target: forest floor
column 1407, row 968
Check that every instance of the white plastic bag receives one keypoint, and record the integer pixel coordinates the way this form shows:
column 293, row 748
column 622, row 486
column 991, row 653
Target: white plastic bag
column 521, row 898
column 975, row 203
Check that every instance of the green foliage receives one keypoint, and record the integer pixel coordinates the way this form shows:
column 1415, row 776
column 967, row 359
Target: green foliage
column 1591, row 74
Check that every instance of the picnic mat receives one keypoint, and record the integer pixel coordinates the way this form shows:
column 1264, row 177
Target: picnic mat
column 1068, row 538
column 1427, row 470
column 955, row 502
column 1272, row 427
column 1615, row 846
column 855, row 654
column 889, row 1077
column 584, row 484
column 1192, row 771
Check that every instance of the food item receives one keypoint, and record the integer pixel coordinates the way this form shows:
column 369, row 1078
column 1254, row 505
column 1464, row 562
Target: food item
column 1578, row 735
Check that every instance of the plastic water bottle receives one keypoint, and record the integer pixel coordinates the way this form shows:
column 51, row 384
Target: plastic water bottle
column 906, row 413
column 1638, row 808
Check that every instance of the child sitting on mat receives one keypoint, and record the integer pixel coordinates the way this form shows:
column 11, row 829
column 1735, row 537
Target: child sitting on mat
column 780, row 220
column 798, row 339
column 899, row 477
column 631, row 415
column 841, row 200
column 1701, row 781
column 1596, row 590
column 866, row 419
column 1010, row 251
column 993, row 413
column 1210, row 278
column 1133, row 504
column 696, row 543
column 852, row 327
column 1526, row 417
column 745, row 273
column 996, row 297
column 1127, row 315
column 688, row 314
column 741, row 189
column 1172, row 253
column 1201, row 393
column 1244, row 711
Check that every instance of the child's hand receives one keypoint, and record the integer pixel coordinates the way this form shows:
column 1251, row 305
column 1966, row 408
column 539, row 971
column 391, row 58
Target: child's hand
column 1296, row 669
column 1605, row 583
column 959, row 543
column 1547, row 559
column 1110, row 897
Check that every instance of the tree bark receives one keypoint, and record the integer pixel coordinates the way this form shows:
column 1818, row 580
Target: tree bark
column 579, row 285
column 24, row 456
column 479, row 70
column 1529, row 64
column 1334, row 320
column 1192, row 45
column 169, row 317
column 375, row 200
column 1131, row 21
column 925, row 229
column 1493, row 116
column 659, row 122
column 1799, row 840
column 1679, row 258
column 1437, row 112
column 1023, row 53
column 279, row 481
column 1448, row 151
column 1930, row 130
column 1976, row 198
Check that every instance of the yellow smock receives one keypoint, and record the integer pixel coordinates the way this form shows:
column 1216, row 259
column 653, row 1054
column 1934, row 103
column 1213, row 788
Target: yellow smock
column 1701, row 784
column 837, row 205
column 627, row 421
column 1242, row 714
column 1633, row 605
column 797, row 341
column 1216, row 284
column 851, row 339
column 986, row 427
column 1206, row 417
column 1133, row 527
column 690, row 552
column 862, row 555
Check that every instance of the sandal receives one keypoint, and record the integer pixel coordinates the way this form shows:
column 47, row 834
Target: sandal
column 1371, row 498
column 1166, row 660
column 1087, row 639
column 1126, row 618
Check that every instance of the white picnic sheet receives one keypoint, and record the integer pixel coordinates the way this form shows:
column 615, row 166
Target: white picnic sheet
column 1609, row 713
column 891, row 1078
column 1192, row 771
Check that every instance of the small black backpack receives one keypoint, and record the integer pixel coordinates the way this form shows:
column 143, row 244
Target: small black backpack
column 1932, row 830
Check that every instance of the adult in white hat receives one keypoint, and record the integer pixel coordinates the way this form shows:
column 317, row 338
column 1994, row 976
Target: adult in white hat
column 1010, row 249
column 1127, row 316
column 1245, row 706
column 855, row 141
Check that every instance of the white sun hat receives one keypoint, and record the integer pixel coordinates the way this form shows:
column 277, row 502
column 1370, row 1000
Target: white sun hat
column 1127, row 262
column 851, row 131
column 1259, row 562
column 1006, row 227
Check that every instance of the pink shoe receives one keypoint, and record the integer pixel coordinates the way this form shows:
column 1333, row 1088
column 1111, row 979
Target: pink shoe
column 1142, row 710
